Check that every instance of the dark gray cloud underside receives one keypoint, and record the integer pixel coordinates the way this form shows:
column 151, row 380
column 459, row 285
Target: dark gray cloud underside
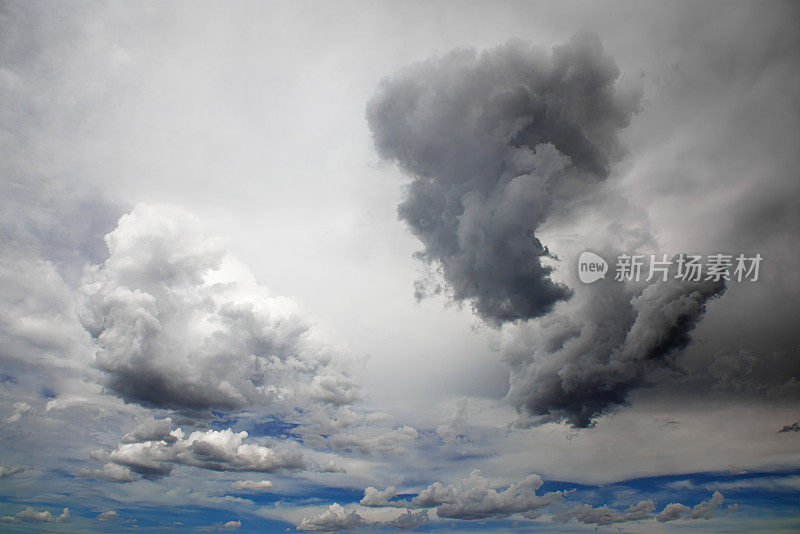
column 613, row 354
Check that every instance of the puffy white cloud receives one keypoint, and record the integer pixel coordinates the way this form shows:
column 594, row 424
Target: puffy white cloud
column 183, row 325
column 473, row 498
column 374, row 497
column 111, row 472
column 333, row 519
column 31, row 515
column 151, row 430
column 337, row 518
column 409, row 520
column 705, row 509
column 434, row 495
column 109, row 515
column 673, row 511
column 252, row 485
column 232, row 525
column 222, row 450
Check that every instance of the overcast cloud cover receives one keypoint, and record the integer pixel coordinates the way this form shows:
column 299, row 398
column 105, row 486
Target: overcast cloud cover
column 313, row 266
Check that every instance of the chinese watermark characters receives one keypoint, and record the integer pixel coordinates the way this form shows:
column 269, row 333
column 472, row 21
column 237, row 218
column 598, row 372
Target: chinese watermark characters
column 687, row 267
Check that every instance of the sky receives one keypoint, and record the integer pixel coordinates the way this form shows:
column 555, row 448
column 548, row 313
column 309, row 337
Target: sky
column 317, row 266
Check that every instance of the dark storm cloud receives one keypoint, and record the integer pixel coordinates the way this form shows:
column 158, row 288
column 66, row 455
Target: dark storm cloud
column 576, row 366
column 719, row 154
column 493, row 142
column 496, row 143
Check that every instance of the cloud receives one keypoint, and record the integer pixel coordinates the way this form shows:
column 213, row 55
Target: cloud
column 252, row 485
column 49, row 209
column 343, row 429
column 673, row 511
column 794, row 427
column 494, row 142
column 111, row 472
column 579, row 363
column 232, row 525
column 7, row 471
column 110, row 515
column 374, row 497
column 703, row 510
column 497, row 144
column 20, row 409
column 473, row 498
column 44, row 346
column 454, row 430
column 337, row 518
column 30, row 515
column 331, row 467
column 607, row 516
column 333, row 519
column 409, row 520
column 773, row 375
column 152, row 430
column 374, row 440
column 644, row 510
column 214, row 450
column 37, row 304
column 770, row 483
column 182, row 325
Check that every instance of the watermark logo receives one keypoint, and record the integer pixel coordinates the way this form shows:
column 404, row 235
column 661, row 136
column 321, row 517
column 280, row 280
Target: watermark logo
column 687, row 267
column 591, row 267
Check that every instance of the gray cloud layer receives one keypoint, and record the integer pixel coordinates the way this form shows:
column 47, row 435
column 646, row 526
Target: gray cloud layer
column 493, row 142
